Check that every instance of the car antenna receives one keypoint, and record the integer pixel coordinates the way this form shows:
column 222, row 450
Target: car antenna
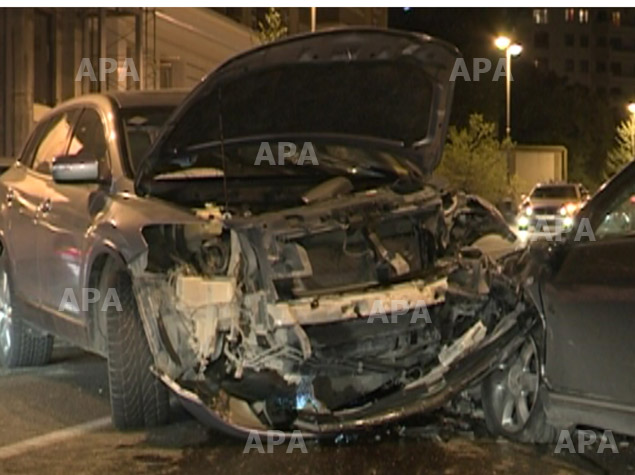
column 222, row 148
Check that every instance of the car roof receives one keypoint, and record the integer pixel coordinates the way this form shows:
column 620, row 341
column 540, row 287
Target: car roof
column 556, row 185
column 128, row 99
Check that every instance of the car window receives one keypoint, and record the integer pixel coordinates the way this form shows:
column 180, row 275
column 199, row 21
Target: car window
column 89, row 138
column 54, row 141
column 555, row 192
column 26, row 157
column 619, row 219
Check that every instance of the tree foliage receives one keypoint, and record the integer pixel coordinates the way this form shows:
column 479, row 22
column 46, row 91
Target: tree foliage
column 475, row 161
column 624, row 148
column 273, row 28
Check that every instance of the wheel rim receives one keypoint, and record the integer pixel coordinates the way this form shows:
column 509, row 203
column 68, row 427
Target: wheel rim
column 5, row 315
column 516, row 388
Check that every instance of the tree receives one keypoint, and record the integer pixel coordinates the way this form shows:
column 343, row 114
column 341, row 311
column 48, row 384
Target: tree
column 624, row 149
column 475, row 161
column 273, row 27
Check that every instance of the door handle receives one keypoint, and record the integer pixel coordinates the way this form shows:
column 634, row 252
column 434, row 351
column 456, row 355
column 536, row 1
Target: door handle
column 45, row 207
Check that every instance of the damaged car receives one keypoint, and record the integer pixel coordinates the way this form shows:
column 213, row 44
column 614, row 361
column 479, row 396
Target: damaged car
column 326, row 294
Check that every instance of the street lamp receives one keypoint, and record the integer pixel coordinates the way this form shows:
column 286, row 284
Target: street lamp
column 511, row 49
column 631, row 109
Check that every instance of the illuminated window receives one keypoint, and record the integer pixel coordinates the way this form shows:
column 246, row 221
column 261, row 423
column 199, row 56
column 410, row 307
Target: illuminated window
column 569, row 15
column 541, row 16
column 616, row 18
column 584, row 15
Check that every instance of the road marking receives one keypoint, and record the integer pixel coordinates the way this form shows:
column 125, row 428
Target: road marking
column 54, row 437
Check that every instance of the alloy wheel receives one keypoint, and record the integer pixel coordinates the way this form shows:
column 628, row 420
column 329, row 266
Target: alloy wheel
column 5, row 315
column 516, row 389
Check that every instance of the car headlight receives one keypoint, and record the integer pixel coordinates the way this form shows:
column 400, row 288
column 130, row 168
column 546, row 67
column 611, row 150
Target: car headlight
column 569, row 209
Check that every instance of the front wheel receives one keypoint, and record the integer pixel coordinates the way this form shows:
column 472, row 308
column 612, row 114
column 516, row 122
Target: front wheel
column 138, row 399
column 511, row 398
column 20, row 345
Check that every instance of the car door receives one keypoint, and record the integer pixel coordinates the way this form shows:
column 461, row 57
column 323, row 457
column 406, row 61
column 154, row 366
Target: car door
column 26, row 189
column 65, row 222
column 590, row 308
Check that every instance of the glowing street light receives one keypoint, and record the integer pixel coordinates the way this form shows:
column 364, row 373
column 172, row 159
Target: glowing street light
column 502, row 42
column 511, row 49
column 631, row 109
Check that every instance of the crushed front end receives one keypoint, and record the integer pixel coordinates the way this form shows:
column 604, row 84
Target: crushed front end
column 337, row 315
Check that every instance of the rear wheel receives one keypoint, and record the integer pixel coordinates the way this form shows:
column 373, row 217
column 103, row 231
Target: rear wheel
column 20, row 345
column 511, row 398
column 138, row 399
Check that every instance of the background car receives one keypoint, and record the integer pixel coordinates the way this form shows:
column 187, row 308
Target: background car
column 576, row 368
column 550, row 206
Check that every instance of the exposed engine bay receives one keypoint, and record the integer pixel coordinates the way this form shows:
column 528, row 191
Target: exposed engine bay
column 318, row 316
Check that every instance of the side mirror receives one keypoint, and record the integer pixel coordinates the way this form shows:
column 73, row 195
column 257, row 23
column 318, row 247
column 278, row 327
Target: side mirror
column 67, row 169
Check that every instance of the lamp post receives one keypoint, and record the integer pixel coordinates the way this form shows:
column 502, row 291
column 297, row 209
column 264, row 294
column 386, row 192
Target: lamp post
column 631, row 109
column 511, row 49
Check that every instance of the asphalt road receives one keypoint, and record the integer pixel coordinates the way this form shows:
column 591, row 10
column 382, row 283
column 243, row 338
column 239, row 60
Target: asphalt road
column 55, row 420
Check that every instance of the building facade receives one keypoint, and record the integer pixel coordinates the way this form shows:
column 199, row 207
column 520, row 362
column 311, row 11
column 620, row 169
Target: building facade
column 594, row 47
column 48, row 55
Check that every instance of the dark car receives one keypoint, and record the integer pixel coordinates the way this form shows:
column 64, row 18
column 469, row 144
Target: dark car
column 577, row 367
column 329, row 288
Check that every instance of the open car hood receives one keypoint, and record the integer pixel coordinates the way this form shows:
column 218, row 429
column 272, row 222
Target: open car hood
column 365, row 87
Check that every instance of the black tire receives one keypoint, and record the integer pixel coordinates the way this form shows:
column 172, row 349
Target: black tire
column 512, row 399
column 20, row 344
column 137, row 398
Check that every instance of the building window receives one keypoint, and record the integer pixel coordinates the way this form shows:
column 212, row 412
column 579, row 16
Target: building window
column 601, row 41
column 616, row 68
column 166, row 80
column 616, row 18
column 616, row 43
column 568, row 39
column 541, row 16
column 584, row 66
column 584, row 15
column 569, row 15
column 568, row 66
column 584, row 41
column 541, row 40
column 600, row 67
column 601, row 16
column 541, row 63
column 43, row 64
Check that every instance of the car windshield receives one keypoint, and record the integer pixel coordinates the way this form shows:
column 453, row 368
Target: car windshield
column 284, row 159
column 141, row 127
column 564, row 191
